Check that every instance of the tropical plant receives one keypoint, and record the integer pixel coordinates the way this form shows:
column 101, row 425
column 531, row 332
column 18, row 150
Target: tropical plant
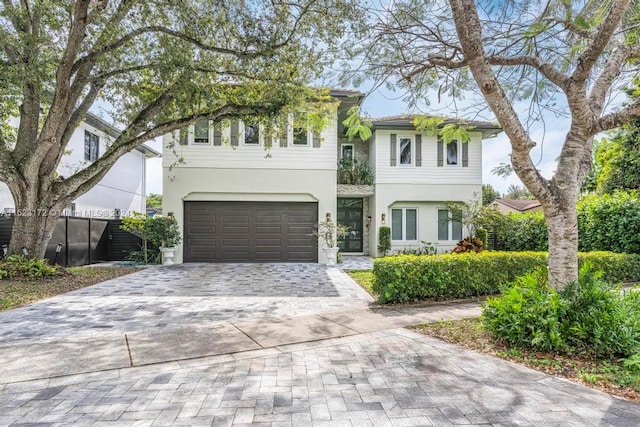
column 355, row 172
column 329, row 231
column 384, row 239
column 155, row 233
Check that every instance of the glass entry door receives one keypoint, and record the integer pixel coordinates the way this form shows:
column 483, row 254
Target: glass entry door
column 350, row 215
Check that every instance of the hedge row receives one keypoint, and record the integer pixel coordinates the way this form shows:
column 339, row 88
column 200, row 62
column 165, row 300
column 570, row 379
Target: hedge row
column 609, row 222
column 405, row 278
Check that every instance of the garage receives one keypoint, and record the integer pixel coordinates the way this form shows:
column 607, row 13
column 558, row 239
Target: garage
column 250, row 232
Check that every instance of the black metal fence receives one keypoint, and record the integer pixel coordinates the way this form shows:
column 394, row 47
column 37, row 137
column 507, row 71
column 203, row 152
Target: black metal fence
column 84, row 240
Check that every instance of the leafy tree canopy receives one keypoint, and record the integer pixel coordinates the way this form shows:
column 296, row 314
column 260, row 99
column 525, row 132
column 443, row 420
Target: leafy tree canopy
column 154, row 200
column 489, row 194
column 158, row 65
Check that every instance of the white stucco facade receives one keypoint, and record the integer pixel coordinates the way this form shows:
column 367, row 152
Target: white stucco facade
column 222, row 172
column 120, row 193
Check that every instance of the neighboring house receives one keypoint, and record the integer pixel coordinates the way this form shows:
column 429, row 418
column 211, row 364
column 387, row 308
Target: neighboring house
column 121, row 192
column 507, row 206
column 235, row 204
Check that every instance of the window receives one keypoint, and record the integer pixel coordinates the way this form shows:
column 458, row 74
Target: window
column 347, row 151
column 453, row 150
column 405, row 154
column 448, row 228
column 252, row 134
column 201, row 132
column 404, row 224
column 91, row 146
column 300, row 136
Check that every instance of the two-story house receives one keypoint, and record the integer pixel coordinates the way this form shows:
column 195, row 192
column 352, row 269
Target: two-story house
column 122, row 190
column 235, row 204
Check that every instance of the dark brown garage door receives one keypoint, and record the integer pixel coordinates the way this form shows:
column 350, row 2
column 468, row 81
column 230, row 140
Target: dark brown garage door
column 250, row 232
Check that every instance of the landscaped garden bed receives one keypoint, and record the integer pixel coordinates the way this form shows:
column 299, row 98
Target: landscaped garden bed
column 608, row 375
column 25, row 281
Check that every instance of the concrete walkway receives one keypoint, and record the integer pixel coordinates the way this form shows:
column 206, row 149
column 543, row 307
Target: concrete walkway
column 322, row 357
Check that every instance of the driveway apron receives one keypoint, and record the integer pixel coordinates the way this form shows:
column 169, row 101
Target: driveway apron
column 171, row 313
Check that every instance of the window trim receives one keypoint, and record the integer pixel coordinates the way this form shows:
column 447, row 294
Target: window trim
column 459, row 151
column 449, row 226
column 293, row 137
column 244, row 136
column 97, row 141
column 192, row 135
column 404, row 224
column 412, row 146
column 353, row 150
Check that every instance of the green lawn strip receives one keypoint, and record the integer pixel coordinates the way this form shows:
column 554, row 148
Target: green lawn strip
column 610, row 376
column 363, row 278
column 19, row 292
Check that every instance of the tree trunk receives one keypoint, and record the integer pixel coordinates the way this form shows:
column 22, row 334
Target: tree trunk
column 562, row 227
column 34, row 222
column 32, row 231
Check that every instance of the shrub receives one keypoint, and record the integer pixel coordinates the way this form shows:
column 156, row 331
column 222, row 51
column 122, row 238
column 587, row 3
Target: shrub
column 21, row 266
column 610, row 222
column 483, row 235
column 155, row 232
column 384, row 240
column 589, row 316
column 426, row 248
column 468, row 244
column 405, row 278
column 527, row 314
column 523, row 232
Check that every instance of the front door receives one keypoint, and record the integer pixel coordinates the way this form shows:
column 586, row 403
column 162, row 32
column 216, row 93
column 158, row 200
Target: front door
column 350, row 215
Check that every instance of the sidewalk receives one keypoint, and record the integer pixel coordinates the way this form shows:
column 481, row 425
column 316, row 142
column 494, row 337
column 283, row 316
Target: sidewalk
column 49, row 358
column 392, row 377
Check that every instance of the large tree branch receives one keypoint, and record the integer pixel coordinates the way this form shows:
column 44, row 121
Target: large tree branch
column 599, row 41
column 549, row 71
column 61, row 94
column 617, row 119
column 469, row 31
column 84, row 180
column 94, row 55
column 610, row 71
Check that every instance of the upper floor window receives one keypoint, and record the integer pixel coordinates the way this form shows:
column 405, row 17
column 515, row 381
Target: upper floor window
column 91, row 146
column 449, row 227
column 300, row 136
column 201, row 132
column 453, row 153
column 405, row 150
column 252, row 134
column 404, row 224
column 347, row 151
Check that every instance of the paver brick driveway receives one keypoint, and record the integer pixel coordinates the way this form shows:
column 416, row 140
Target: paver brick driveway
column 187, row 294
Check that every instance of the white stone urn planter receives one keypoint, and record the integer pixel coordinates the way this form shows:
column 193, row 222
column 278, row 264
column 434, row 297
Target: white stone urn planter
column 331, row 254
column 167, row 255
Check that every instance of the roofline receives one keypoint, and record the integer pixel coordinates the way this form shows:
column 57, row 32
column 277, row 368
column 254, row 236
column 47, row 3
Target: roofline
column 489, row 130
column 346, row 93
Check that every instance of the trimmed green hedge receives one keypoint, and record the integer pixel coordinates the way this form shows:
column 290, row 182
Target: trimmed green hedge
column 609, row 222
column 405, row 278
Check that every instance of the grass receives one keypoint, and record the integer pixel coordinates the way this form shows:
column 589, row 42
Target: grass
column 618, row 377
column 19, row 292
column 364, row 278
